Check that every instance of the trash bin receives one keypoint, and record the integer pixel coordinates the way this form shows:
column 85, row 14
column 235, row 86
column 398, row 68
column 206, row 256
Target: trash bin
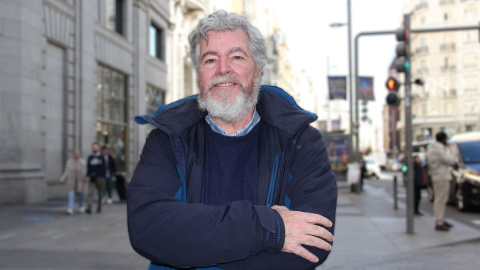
column 353, row 176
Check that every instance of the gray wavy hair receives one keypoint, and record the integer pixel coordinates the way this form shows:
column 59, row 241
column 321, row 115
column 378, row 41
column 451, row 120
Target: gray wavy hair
column 226, row 21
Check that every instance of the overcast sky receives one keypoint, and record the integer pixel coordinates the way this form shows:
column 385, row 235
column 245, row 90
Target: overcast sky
column 311, row 40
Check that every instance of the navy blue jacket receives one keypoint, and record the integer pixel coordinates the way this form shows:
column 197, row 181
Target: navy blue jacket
column 167, row 223
column 96, row 167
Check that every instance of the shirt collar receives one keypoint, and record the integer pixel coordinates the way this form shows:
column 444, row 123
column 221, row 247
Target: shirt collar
column 255, row 119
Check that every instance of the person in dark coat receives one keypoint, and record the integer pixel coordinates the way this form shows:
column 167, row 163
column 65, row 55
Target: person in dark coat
column 110, row 172
column 95, row 177
column 234, row 178
column 421, row 177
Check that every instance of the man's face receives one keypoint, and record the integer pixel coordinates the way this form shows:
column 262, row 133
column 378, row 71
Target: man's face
column 95, row 148
column 76, row 154
column 227, row 74
column 105, row 151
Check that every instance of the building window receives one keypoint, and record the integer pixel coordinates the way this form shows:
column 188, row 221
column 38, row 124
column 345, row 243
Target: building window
column 154, row 98
column 157, row 42
column 471, row 12
column 424, row 65
column 424, row 109
column 449, row 108
column 446, row 16
column 112, row 113
column 470, row 107
column 470, row 83
column 470, row 59
column 114, row 15
column 471, row 36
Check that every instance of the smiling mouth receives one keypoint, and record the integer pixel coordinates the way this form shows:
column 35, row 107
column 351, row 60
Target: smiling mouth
column 225, row 84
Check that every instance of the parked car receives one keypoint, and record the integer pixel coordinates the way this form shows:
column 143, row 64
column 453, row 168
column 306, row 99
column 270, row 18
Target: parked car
column 373, row 168
column 393, row 165
column 466, row 184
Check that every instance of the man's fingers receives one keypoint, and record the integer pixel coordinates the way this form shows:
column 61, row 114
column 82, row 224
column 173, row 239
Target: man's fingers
column 321, row 232
column 318, row 243
column 318, row 219
column 304, row 253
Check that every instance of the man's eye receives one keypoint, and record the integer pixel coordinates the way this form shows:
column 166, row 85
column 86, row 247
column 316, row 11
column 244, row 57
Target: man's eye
column 238, row 57
column 210, row 61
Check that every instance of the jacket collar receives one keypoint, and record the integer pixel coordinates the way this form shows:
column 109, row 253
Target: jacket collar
column 275, row 107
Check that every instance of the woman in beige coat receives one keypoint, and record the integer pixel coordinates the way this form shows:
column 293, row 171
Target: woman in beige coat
column 74, row 175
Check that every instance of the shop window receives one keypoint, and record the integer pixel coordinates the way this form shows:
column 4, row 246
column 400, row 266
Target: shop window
column 111, row 114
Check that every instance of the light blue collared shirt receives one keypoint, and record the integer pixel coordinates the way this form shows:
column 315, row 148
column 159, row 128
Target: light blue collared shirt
column 255, row 119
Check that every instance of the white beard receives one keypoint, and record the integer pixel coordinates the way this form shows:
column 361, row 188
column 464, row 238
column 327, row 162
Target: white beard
column 227, row 108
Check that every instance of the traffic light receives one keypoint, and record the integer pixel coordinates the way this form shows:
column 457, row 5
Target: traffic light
column 404, row 168
column 402, row 64
column 392, row 85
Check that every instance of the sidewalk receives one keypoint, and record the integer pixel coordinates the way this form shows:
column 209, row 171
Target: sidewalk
column 369, row 234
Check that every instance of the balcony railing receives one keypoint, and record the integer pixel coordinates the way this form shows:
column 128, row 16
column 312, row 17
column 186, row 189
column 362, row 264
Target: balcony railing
column 448, row 68
column 423, row 49
column 421, row 6
column 446, row 2
column 447, row 47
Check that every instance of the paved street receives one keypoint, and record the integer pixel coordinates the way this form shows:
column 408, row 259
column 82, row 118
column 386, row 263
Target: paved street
column 370, row 234
column 43, row 237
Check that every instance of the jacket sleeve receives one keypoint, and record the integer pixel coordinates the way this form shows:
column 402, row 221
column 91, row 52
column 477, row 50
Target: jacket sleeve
column 313, row 189
column 170, row 232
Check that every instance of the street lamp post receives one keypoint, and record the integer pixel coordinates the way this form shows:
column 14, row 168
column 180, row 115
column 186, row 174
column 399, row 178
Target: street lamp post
column 353, row 96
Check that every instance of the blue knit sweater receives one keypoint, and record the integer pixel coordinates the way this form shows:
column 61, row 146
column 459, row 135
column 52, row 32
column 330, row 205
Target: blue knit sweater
column 231, row 168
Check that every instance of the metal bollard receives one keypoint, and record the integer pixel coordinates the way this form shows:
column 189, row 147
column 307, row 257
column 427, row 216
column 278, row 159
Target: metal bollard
column 395, row 197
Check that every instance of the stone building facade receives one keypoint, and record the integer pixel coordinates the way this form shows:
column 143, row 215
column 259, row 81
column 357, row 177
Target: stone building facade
column 75, row 72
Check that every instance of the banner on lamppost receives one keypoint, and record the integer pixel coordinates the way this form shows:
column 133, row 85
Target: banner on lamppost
column 337, row 87
column 365, row 88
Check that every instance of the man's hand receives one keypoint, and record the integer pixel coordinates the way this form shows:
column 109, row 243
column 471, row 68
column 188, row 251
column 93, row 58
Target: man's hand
column 302, row 228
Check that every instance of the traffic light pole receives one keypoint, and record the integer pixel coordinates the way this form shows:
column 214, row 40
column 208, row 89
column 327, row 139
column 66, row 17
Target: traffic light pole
column 407, row 98
column 408, row 132
column 355, row 91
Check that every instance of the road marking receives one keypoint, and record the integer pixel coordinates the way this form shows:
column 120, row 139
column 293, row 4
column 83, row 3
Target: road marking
column 36, row 218
column 476, row 221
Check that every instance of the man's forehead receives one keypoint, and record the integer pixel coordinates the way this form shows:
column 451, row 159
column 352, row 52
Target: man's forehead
column 238, row 31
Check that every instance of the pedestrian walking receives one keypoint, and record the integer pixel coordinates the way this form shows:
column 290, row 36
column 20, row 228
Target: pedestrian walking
column 421, row 177
column 110, row 172
column 440, row 158
column 96, row 170
column 234, row 178
column 73, row 177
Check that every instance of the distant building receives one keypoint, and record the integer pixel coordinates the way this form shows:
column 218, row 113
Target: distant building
column 448, row 63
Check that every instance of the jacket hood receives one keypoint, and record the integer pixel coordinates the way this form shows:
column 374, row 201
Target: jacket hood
column 275, row 106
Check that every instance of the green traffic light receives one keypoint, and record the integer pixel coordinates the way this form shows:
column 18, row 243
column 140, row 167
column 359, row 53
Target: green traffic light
column 393, row 99
column 404, row 168
column 402, row 64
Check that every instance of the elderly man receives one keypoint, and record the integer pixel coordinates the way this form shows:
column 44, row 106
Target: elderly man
column 234, row 178
column 440, row 158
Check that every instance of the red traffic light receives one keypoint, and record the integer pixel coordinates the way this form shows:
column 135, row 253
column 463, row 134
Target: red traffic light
column 392, row 84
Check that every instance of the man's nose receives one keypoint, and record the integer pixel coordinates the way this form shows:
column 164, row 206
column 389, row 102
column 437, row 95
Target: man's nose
column 224, row 66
